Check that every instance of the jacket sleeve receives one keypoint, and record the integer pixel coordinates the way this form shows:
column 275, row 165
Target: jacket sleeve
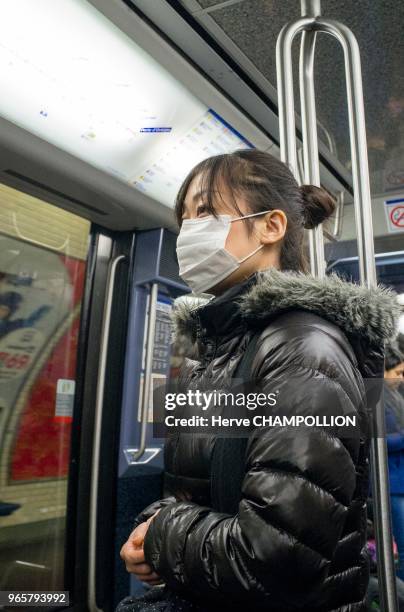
column 151, row 509
column 295, row 493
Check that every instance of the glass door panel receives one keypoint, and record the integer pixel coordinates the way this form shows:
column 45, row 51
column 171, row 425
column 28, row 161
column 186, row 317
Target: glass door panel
column 43, row 252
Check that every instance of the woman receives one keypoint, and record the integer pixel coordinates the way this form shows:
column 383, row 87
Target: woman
column 394, row 406
column 296, row 540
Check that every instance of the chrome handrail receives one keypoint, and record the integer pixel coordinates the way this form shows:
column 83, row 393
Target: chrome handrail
column 339, row 214
column 148, row 372
column 95, row 460
column 311, row 162
column 331, row 144
column 309, row 24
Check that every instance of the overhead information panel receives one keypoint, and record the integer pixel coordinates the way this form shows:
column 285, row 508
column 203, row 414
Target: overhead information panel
column 74, row 79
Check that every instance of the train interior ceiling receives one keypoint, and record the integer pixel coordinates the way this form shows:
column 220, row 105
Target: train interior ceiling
column 103, row 113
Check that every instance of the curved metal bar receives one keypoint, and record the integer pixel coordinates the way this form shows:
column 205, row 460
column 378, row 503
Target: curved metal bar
column 287, row 125
column 310, row 8
column 300, row 166
column 339, row 215
column 364, row 228
column 331, row 144
column 148, row 371
column 95, row 461
column 367, row 267
column 286, row 104
column 382, row 514
column 360, row 167
column 310, row 142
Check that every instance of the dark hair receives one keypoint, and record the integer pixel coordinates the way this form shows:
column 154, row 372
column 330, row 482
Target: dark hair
column 267, row 184
column 393, row 355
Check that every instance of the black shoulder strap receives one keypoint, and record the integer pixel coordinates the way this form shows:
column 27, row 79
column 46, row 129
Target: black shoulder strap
column 244, row 367
column 228, row 455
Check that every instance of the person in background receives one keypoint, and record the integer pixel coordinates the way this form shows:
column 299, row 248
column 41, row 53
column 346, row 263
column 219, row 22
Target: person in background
column 373, row 594
column 394, row 407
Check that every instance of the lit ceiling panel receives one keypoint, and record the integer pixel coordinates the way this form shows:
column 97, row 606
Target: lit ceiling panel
column 70, row 76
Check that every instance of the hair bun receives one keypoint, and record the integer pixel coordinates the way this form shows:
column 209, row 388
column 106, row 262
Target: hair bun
column 318, row 205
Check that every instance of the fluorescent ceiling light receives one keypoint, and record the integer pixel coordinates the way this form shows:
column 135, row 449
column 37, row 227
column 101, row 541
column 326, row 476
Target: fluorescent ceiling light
column 70, row 76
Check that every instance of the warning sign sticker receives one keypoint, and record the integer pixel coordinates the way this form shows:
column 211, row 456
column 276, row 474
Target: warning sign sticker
column 395, row 214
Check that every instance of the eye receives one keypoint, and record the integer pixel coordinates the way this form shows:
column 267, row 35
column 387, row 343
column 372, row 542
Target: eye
column 201, row 210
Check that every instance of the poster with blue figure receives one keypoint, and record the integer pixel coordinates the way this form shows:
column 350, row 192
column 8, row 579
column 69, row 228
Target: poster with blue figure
column 9, row 305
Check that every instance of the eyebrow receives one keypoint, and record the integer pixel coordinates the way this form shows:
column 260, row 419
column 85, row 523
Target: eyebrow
column 198, row 195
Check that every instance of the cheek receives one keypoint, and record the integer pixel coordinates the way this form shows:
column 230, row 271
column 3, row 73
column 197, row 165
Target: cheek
column 238, row 241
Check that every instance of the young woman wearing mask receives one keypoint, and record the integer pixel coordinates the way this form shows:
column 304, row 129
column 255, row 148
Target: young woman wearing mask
column 295, row 540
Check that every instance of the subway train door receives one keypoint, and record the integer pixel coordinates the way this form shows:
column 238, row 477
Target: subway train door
column 117, row 466
column 65, row 288
column 154, row 285
column 44, row 252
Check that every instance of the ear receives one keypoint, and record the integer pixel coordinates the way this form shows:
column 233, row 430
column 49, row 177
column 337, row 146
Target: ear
column 273, row 228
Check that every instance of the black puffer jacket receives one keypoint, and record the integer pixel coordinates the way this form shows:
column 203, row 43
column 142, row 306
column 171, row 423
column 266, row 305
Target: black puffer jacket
column 297, row 541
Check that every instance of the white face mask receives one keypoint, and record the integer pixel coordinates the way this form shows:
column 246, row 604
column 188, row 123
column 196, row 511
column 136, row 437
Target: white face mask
column 202, row 258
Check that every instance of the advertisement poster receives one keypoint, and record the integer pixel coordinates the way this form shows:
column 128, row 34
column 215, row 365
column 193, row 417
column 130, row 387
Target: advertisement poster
column 40, row 295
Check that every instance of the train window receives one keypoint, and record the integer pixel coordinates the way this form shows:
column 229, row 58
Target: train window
column 389, row 270
column 43, row 252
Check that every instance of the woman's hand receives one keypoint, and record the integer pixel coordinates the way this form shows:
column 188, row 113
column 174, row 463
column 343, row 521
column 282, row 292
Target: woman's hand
column 133, row 555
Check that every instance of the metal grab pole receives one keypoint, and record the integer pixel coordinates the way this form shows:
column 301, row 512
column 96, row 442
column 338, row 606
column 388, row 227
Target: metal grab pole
column 311, row 23
column 311, row 8
column 287, row 126
column 95, row 460
column 148, row 372
column 310, row 142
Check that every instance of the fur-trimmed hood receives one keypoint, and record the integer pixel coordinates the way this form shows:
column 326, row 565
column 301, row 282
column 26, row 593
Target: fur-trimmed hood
column 370, row 314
